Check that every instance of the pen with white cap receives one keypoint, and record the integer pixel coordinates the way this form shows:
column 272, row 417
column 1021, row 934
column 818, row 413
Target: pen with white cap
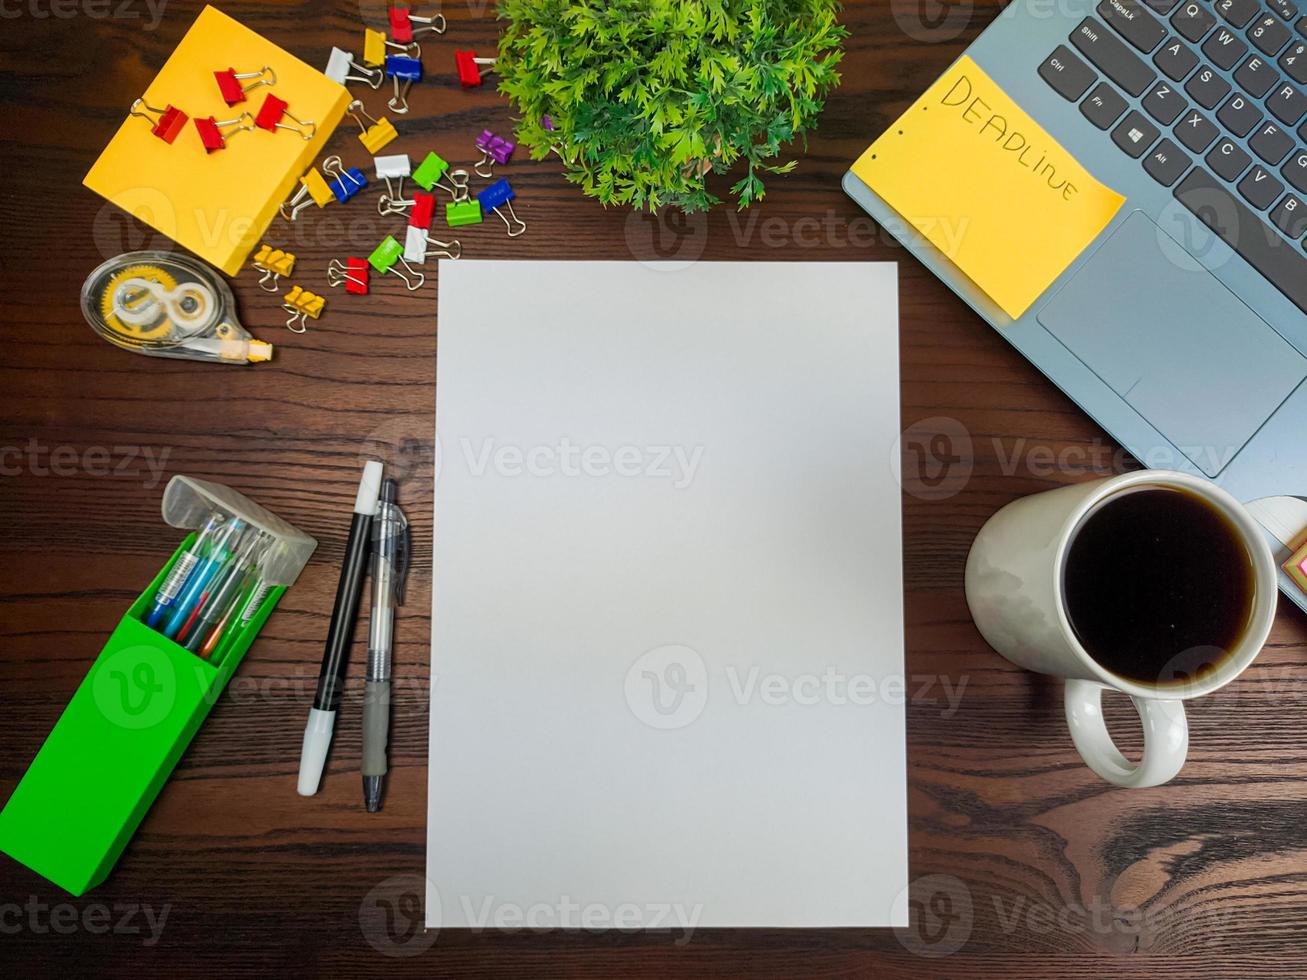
column 340, row 635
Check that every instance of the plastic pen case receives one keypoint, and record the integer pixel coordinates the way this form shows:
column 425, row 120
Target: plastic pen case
column 139, row 706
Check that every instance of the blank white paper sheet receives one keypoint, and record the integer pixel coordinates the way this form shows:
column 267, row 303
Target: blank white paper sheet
column 667, row 682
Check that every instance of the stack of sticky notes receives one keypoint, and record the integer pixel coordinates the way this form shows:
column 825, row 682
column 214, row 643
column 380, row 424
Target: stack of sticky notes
column 1297, row 567
column 218, row 204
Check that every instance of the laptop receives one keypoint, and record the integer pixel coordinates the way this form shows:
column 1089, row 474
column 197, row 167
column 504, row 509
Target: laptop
column 1195, row 112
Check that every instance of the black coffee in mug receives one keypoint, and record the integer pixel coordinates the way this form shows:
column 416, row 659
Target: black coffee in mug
column 1158, row 585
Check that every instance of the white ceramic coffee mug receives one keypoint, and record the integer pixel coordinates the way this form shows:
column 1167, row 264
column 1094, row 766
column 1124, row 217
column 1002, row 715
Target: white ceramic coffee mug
column 1014, row 586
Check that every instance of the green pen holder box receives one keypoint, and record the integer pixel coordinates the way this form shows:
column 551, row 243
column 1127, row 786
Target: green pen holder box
column 135, row 712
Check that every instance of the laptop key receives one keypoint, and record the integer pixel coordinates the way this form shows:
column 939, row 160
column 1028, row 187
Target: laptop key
column 1290, row 216
column 1196, row 131
column 1129, row 19
column 1239, row 114
column 1164, row 103
column 1162, row 7
column 1237, row 12
column 1192, row 21
column 1295, row 171
column 1166, row 162
column 1256, row 76
column 1224, row 48
column 1135, row 134
column 1069, row 76
column 1271, row 143
column 1104, row 106
column 1284, row 8
column 1269, row 34
column 1259, row 188
column 1228, row 159
column 1110, row 54
column 1294, row 61
column 1207, row 88
column 1176, row 59
column 1246, row 232
column 1287, row 104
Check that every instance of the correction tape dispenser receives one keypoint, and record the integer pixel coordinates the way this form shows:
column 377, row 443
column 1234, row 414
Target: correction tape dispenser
column 168, row 305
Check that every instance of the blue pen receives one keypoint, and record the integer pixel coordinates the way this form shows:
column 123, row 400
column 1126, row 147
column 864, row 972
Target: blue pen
column 172, row 585
column 203, row 574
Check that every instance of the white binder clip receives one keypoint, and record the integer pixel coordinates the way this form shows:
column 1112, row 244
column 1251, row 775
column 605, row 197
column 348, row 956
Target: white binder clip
column 417, row 242
column 343, row 69
column 393, row 170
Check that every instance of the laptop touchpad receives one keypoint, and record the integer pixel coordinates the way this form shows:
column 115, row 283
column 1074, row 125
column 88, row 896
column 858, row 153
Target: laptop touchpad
column 1169, row 338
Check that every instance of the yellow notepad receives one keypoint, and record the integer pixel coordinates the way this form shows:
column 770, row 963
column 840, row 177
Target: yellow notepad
column 988, row 187
column 217, row 205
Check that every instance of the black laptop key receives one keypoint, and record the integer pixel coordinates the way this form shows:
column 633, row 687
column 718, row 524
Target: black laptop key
column 1287, row 104
column 1285, row 8
column 1207, row 87
column 1110, row 54
column 1166, row 162
column 1192, row 21
column 1129, row 19
column 1196, row 131
column 1271, row 143
column 1295, row 171
column 1269, row 34
column 1256, row 76
column 1224, row 48
column 1228, row 159
column 1069, row 76
column 1238, row 12
column 1164, row 103
column 1103, row 106
column 1294, row 61
column 1247, row 233
column 1176, row 59
column 1290, row 216
column 1135, row 134
column 1162, row 7
column 1239, row 114
column 1259, row 188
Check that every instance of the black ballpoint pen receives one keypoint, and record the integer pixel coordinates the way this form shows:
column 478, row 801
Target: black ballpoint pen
column 390, row 561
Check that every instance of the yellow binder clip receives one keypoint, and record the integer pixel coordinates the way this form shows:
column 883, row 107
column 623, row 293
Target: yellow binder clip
column 377, row 136
column 313, row 190
column 302, row 305
column 273, row 263
column 375, row 45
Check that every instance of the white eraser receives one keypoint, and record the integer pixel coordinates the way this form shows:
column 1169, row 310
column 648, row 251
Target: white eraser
column 398, row 165
column 369, row 488
column 415, row 245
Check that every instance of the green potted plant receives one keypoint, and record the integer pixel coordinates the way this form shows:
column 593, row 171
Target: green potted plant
column 643, row 99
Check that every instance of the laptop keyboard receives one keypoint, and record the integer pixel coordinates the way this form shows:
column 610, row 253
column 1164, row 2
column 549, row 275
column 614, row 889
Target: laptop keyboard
column 1149, row 74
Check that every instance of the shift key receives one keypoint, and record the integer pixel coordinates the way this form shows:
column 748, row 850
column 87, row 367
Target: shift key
column 1112, row 57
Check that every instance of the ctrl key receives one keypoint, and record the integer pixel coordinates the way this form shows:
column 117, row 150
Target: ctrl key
column 1069, row 76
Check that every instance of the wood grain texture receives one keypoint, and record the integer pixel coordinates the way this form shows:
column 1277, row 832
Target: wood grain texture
column 1025, row 864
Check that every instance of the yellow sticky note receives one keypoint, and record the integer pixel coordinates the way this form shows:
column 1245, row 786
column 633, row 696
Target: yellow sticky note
column 988, row 187
column 218, row 204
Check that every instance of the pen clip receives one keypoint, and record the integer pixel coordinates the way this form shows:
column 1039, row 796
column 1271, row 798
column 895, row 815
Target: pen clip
column 403, row 554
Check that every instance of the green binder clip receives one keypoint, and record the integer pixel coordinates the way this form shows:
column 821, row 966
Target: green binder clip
column 435, row 168
column 459, row 213
column 388, row 255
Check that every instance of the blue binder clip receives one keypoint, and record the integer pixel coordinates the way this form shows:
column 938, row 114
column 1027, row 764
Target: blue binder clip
column 406, row 70
column 500, row 195
column 344, row 183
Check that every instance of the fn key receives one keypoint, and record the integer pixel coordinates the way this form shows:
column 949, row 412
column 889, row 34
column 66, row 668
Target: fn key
column 1069, row 76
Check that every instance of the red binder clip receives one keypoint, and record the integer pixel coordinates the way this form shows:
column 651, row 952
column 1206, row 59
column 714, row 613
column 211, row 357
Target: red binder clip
column 274, row 111
column 469, row 66
column 402, row 21
column 229, row 83
column 165, row 123
column 212, row 133
column 352, row 274
column 424, row 208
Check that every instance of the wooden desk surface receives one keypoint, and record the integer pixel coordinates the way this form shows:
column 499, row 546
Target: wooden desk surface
column 1024, row 862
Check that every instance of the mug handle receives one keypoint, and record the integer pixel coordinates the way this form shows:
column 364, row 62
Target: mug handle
column 1166, row 736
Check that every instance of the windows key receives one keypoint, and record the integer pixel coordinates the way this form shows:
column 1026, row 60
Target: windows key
column 1135, row 134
